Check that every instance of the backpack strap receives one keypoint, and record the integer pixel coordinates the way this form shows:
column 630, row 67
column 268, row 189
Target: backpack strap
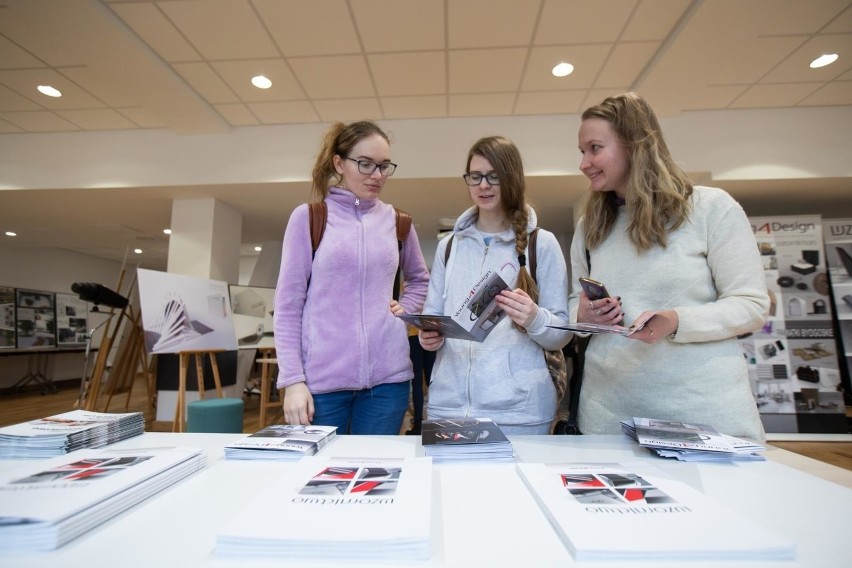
column 403, row 227
column 448, row 249
column 318, row 215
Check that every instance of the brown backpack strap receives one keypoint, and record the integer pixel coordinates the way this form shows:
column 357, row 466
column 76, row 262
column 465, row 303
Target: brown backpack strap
column 448, row 249
column 403, row 226
column 318, row 214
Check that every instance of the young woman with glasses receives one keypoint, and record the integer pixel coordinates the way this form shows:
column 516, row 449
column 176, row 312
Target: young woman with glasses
column 504, row 377
column 342, row 354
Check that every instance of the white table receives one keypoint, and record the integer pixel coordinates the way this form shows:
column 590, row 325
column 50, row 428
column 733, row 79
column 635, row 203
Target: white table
column 482, row 514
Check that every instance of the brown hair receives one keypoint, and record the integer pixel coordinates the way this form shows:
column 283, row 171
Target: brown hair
column 658, row 190
column 506, row 161
column 339, row 141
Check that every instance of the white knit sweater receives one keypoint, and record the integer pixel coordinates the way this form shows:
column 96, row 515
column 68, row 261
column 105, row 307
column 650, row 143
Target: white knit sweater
column 711, row 275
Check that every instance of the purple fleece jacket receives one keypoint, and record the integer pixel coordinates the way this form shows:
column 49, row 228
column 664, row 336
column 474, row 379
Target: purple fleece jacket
column 338, row 333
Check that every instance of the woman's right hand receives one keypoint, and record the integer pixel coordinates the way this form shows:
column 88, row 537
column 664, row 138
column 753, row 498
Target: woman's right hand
column 298, row 404
column 606, row 311
column 431, row 340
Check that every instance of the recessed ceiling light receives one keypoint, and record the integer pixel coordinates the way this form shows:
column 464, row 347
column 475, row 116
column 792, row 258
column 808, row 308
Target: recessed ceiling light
column 11, row 234
column 563, row 70
column 49, row 91
column 823, row 60
column 167, row 231
column 261, row 82
column 137, row 251
column 258, row 249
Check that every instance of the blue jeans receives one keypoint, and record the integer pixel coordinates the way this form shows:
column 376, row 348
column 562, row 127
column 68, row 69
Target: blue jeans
column 379, row 410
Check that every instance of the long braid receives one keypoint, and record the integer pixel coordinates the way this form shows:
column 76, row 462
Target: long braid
column 519, row 220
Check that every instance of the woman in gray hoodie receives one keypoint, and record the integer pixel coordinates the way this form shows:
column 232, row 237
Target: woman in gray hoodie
column 504, row 377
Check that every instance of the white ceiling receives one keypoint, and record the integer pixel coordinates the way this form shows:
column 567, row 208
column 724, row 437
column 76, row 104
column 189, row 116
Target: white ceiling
column 184, row 66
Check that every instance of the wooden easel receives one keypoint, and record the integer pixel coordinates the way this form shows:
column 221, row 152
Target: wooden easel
column 180, row 409
column 267, row 361
column 131, row 357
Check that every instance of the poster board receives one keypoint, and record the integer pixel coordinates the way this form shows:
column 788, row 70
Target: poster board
column 72, row 320
column 35, row 318
column 792, row 359
column 838, row 254
column 253, row 307
column 7, row 317
column 184, row 313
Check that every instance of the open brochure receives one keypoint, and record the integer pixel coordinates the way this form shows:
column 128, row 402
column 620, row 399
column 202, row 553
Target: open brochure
column 599, row 329
column 474, row 319
column 612, row 512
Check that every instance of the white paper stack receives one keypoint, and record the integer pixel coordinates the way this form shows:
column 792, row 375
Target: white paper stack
column 466, row 440
column 46, row 505
column 63, row 433
column 611, row 513
column 338, row 509
column 690, row 442
column 287, row 442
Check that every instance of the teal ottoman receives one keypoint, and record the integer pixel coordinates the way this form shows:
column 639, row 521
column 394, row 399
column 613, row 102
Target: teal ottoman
column 215, row 415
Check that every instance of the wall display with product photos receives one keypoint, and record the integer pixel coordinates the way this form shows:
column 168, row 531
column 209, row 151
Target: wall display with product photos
column 72, row 320
column 252, row 307
column 7, row 317
column 838, row 250
column 185, row 313
column 35, row 318
column 793, row 359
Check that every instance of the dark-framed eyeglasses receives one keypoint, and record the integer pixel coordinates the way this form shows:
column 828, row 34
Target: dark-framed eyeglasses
column 476, row 178
column 367, row 167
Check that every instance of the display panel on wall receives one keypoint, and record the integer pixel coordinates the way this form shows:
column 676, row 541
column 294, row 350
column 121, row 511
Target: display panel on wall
column 838, row 248
column 252, row 307
column 184, row 313
column 7, row 317
column 792, row 360
column 35, row 318
column 72, row 320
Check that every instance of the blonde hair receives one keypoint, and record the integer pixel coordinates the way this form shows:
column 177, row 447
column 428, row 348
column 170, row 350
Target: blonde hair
column 506, row 161
column 339, row 141
column 658, row 190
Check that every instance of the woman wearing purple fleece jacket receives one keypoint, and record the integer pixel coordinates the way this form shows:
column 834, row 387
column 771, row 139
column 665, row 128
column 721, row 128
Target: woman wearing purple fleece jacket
column 342, row 354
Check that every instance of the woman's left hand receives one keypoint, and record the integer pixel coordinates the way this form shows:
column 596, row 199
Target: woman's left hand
column 396, row 308
column 518, row 306
column 657, row 328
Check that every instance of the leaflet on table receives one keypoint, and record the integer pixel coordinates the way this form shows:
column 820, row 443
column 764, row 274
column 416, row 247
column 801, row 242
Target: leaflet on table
column 680, row 435
column 474, row 319
column 599, row 329
column 270, row 442
column 66, row 423
column 364, row 508
column 616, row 513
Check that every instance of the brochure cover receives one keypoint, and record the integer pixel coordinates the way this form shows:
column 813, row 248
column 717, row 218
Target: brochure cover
column 281, row 442
column 690, row 442
column 369, row 509
column 613, row 513
column 44, row 506
column 465, row 439
column 474, row 319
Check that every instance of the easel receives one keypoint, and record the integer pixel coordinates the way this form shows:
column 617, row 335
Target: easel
column 267, row 361
column 131, row 355
column 183, row 357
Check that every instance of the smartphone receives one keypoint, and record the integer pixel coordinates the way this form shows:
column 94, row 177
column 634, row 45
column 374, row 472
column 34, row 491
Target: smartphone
column 594, row 289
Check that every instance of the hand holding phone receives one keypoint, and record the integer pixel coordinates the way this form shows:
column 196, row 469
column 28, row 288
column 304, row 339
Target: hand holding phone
column 594, row 290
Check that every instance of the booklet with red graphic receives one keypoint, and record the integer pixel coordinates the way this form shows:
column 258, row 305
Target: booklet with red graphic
column 613, row 512
column 474, row 319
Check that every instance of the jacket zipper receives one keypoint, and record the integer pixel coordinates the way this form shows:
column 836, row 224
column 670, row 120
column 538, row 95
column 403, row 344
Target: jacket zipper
column 363, row 340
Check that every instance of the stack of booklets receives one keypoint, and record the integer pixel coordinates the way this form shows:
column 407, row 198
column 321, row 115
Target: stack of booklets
column 63, row 433
column 46, row 505
column 287, row 442
column 629, row 513
column 342, row 510
column 466, row 440
column 690, row 442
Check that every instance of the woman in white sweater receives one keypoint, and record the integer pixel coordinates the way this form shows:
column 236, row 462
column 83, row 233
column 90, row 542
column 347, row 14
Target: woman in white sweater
column 662, row 245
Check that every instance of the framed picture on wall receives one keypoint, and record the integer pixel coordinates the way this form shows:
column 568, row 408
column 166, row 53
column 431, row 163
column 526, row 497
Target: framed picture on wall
column 35, row 314
column 7, row 317
column 72, row 320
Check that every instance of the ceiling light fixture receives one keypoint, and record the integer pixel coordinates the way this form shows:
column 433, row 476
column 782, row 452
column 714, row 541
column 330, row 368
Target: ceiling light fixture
column 258, row 249
column 261, row 82
column 137, row 251
column 49, row 91
column 11, row 234
column 823, row 60
column 562, row 70
column 167, row 231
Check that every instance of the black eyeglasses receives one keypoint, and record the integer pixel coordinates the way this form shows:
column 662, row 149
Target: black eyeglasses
column 367, row 167
column 476, row 179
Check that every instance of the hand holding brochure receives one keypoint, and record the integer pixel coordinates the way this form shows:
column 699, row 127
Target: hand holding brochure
column 596, row 328
column 477, row 316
